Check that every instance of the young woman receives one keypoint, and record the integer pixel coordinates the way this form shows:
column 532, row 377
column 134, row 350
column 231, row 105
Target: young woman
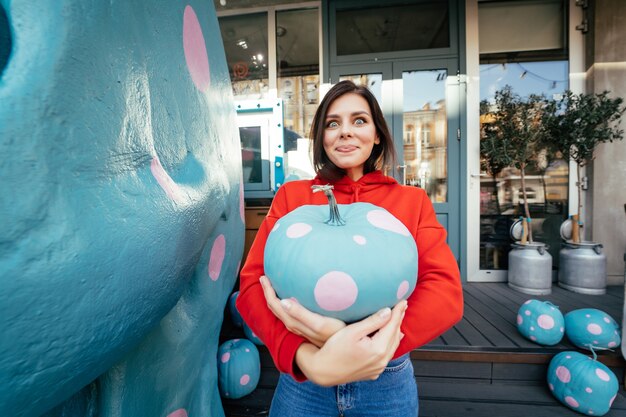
column 329, row 368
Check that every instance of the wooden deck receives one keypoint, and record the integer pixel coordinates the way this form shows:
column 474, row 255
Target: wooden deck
column 482, row 366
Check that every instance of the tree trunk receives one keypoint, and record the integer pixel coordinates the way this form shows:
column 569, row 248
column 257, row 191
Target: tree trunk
column 545, row 191
column 581, row 234
column 495, row 187
column 526, row 209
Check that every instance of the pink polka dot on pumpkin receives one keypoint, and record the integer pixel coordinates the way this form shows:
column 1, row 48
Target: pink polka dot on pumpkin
column 563, row 374
column 588, row 390
column 594, row 328
column 335, row 291
column 386, row 221
column 403, row 288
column 298, row 230
column 225, row 357
column 216, row 259
column 359, row 239
column 195, row 50
column 527, row 312
column 571, row 401
column 528, row 302
column 181, row 412
column 244, row 379
column 520, row 320
column 602, row 375
column 606, row 319
column 612, row 344
column 545, row 321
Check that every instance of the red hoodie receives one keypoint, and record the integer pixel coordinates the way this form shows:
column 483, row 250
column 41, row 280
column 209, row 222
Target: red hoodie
column 435, row 305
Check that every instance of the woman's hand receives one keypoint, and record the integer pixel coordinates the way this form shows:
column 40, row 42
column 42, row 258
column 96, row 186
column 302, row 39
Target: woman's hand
column 358, row 352
column 314, row 327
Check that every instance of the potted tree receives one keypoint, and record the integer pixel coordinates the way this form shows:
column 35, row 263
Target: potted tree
column 575, row 125
column 513, row 135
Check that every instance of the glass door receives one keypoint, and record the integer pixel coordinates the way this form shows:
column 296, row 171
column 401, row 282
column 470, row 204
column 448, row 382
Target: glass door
column 420, row 100
column 427, row 135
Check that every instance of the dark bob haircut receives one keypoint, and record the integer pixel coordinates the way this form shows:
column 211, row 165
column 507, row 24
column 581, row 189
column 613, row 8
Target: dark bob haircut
column 383, row 154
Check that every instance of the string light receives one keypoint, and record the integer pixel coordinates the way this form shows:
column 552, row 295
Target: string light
column 525, row 72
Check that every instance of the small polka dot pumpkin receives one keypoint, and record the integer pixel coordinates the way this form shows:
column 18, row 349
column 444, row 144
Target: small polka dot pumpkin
column 540, row 321
column 348, row 266
column 238, row 368
column 232, row 309
column 251, row 335
column 590, row 326
column 581, row 383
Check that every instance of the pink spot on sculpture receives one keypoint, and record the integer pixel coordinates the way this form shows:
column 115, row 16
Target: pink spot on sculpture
column 403, row 288
column 181, row 412
column 217, row 257
column 244, row 379
column 225, row 357
column 385, row 220
column 195, row 50
column 520, row 320
column 563, row 374
column 545, row 321
column 335, row 291
column 165, row 181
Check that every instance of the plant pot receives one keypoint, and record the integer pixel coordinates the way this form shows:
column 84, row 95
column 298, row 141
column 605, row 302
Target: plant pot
column 582, row 268
column 530, row 268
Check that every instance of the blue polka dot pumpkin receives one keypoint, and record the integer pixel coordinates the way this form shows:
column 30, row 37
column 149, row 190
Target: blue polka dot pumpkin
column 592, row 327
column 238, row 368
column 232, row 309
column 540, row 321
column 251, row 335
column 347, row 265
column 582, row 383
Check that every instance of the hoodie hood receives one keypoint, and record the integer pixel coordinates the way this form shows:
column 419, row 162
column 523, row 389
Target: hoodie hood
column 348, row 191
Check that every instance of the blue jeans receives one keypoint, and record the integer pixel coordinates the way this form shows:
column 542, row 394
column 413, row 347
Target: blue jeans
column 393, row 394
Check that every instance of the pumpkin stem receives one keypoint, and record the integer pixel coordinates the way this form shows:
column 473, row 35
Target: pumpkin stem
column 334, row 218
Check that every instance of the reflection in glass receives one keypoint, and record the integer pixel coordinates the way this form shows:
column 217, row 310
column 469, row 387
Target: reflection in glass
column 393, row 28
column 297, row 49
column 372, row 81
column 297, row 63
column 425, row 132
column 501, row 201
column 245, row 45
column 251, row 154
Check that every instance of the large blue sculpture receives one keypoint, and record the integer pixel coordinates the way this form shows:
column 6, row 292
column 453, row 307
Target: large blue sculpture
column 121, row 211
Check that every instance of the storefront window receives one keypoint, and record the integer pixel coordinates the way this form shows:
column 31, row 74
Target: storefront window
column 366, row 30
column 297, row 50
column 245, row 44
column 501, row 201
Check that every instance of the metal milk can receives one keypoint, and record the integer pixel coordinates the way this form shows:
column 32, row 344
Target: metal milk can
column 582, row 267
column 530, row 268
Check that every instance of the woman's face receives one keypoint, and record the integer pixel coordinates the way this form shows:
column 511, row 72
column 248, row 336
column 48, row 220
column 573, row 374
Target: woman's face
column 349, row 134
